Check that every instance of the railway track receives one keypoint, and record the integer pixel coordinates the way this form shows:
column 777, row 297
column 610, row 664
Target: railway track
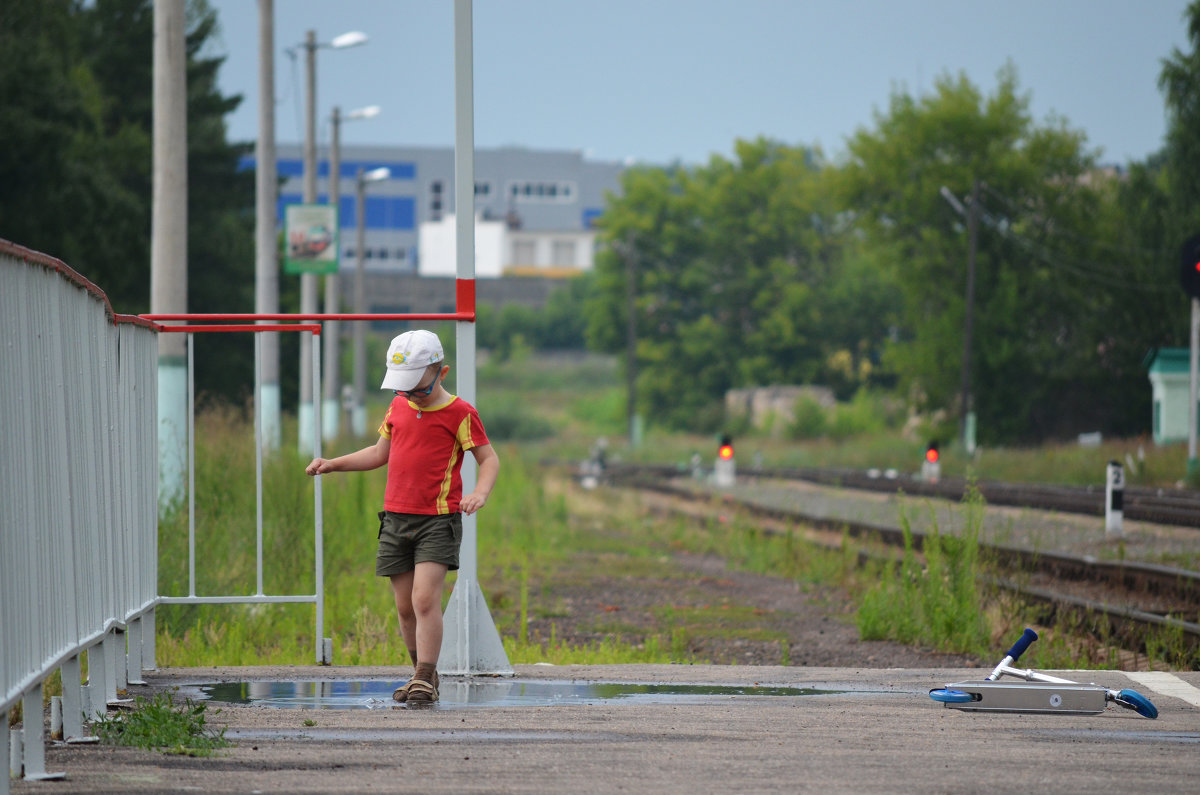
column 1160, row 506
column 1133, row 599
column 1178, row 507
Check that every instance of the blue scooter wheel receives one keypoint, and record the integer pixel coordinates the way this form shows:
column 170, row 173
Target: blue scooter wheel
column 950, row 696
column 1132, row 699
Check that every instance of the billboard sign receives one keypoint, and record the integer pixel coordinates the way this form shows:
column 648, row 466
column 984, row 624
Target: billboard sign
column 311, row 231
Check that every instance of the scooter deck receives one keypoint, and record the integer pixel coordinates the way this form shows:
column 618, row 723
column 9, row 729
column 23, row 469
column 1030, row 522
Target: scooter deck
column 1063, row 699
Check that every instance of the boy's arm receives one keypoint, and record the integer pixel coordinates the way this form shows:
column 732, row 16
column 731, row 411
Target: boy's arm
column 489, row 470
column 371, row 457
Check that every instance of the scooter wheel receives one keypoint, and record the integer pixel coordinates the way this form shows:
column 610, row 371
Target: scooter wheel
column 1132, row 699
column 950, row 696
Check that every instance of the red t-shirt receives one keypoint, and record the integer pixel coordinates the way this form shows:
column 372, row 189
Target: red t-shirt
column 426, row 454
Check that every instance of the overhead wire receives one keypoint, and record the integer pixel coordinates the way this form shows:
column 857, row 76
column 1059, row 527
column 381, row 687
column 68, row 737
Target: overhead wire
column 1105, row 273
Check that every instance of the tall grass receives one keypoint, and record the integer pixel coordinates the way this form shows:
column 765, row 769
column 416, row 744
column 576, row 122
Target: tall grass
column 522, row 529
column 938, row 602
column 526, row 532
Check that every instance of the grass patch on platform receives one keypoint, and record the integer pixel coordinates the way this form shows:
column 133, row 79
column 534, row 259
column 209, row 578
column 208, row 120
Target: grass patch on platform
column 160, row 724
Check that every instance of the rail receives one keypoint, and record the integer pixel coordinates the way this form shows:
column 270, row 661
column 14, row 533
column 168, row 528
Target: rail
column 317, row 597
column 78, row 501
column 214, row 323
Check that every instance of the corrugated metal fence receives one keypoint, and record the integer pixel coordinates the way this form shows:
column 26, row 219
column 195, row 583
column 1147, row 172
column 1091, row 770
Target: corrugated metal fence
column 78, row 498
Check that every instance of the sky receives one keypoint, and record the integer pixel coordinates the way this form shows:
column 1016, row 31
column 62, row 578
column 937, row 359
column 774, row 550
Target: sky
column 660, row 81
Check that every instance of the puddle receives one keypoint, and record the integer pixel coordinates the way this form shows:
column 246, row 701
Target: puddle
column 458, row 693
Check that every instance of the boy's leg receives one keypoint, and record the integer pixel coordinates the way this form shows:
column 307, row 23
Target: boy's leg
column 429, row 581
column 402, row 589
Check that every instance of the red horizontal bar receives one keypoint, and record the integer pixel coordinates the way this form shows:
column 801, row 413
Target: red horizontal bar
column 315, row 328
column 468, row 316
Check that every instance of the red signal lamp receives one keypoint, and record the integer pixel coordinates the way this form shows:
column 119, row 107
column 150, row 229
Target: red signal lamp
column 931, row 452
column 725, row 452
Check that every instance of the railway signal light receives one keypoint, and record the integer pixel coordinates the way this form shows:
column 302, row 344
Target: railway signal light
column 931, row 470
column 1189, row 266
column 725, row 468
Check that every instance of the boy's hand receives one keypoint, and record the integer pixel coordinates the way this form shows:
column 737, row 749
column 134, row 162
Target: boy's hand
column 472, row 502
column 319, row 466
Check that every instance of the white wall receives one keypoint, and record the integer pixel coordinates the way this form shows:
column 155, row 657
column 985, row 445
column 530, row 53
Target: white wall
column 494, row 247
column 439, row 248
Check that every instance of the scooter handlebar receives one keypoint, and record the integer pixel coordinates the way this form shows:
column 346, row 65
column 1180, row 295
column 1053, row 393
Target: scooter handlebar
column 1022, row 644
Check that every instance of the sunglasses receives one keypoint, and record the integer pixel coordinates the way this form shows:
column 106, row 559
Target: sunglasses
column 417, row 393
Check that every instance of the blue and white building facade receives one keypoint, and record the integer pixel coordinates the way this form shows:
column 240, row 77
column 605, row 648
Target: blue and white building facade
column 546, row 201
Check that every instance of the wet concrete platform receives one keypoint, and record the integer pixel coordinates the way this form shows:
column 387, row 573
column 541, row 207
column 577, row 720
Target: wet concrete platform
column 875, row 731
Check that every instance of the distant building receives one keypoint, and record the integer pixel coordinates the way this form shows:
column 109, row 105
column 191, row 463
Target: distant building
column 502, row 250
column 535, row 209
column 1170, row 382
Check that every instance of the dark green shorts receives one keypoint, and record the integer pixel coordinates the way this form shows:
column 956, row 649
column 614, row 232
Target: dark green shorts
column 406, row 539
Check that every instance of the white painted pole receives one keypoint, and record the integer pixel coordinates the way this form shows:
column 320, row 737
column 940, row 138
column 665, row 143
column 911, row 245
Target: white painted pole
column 470, row 643
column 168, row 235
column 331, row 390
column 464, row 236
column 324, row 645
column 308, row 281
column 358, row 419
column 266, row 250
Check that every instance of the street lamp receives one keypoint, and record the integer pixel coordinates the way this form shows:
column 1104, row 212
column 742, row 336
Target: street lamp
column 331, row 369
column 359, row 418
column 308, row 281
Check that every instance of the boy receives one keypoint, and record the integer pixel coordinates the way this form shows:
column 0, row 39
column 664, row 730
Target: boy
column 421, row 441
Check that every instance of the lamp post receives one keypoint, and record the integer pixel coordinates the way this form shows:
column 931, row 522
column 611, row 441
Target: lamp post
column 331, row 370
column 359, row 418
column 308, row 281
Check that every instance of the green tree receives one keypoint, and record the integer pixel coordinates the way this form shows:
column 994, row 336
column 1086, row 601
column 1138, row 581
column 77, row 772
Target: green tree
column 76, row 159
column 1036, row 354
column 737, row 270
column 63, row 187
column 1180, row 82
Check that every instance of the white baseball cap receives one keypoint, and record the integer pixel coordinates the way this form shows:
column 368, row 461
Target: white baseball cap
column 408, row 356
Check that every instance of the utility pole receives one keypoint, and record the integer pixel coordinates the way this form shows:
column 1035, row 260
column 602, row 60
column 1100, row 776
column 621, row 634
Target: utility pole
column 168, row 239
column 1193, row 466
column 331, row 371
column 966, row 424
column 266, row 263
column 631, row 340
column 358, row 419
column 308, row 281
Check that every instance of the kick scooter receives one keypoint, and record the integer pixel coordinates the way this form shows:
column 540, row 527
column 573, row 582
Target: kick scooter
column 1039, row 692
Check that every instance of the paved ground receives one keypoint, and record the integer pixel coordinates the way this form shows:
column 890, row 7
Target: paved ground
column 879, row 733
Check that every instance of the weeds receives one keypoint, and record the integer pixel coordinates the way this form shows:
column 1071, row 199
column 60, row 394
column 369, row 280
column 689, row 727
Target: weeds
column 160, row 724
column 938, row 602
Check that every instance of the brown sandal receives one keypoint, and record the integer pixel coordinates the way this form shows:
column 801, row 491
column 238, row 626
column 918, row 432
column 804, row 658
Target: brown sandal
column 420, row 691
column 401, row 693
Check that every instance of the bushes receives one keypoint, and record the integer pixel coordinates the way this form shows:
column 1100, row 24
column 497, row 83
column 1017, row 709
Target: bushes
column 866, row 413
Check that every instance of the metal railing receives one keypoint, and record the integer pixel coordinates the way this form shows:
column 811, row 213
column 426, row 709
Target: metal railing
column 78, row 499
column 324, row 651
column 79, row 495
column 233, row 322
